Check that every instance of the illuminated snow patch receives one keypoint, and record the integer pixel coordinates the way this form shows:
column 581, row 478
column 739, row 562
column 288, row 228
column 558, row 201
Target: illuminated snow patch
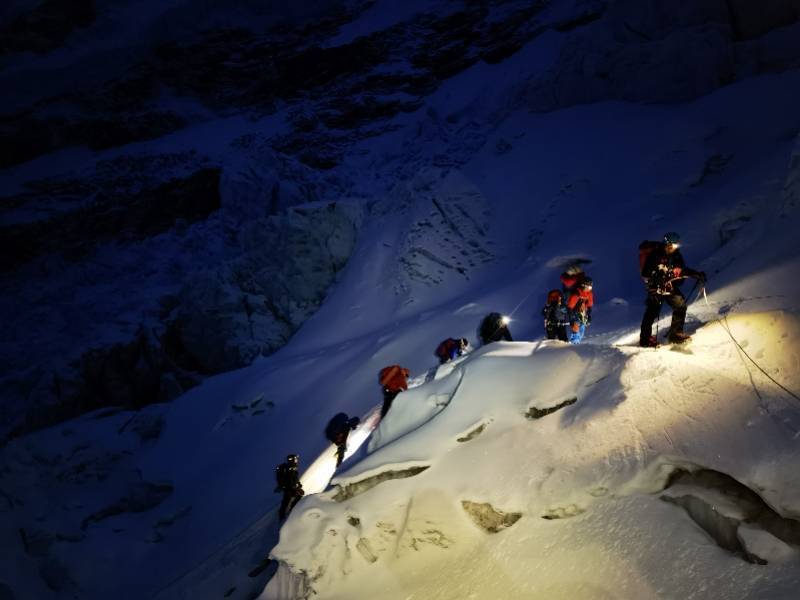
column 318, row 475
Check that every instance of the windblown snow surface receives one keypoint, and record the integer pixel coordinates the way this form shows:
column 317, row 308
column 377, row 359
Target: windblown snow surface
column 471, row 487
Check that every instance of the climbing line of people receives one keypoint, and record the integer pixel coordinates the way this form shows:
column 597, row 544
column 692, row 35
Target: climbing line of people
column 568, row 311
column 393, row 380
column 567, row 314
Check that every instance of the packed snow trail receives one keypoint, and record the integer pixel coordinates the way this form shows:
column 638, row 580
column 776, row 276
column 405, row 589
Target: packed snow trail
column 319, row 473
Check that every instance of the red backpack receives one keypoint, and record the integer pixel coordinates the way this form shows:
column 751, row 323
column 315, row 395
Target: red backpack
column 443, row 349
column 554, row 296
column 645, row 249
column 394, row 378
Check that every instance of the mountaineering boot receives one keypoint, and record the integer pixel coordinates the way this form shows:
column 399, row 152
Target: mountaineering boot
column 650, row 342
column 679, row 337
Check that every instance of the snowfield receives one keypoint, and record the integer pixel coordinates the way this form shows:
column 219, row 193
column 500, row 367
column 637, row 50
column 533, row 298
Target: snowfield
column 583, row 485
column 525, row 469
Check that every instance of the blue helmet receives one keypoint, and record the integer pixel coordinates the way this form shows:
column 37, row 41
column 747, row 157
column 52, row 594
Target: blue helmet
column 672, row 237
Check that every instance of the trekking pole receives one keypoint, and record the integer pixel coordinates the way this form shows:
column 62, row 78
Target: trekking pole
column 694, row 287
column 658, row 318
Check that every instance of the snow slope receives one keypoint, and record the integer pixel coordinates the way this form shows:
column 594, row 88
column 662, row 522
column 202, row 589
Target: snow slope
column 586, row 481
column 101, row 501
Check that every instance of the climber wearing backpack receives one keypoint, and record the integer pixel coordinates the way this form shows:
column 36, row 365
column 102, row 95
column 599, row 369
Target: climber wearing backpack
column 337, row 430
column 579, row 305
column 663, row 269
column 393, row 380
column 450, row 349
column 556, row 316
column 289, row 483
column 494, row 328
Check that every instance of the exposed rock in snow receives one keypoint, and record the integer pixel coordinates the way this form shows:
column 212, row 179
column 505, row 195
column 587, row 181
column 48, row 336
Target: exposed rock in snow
column 537, row 413
column 472, row 434
column 487, row 517
column 350, row 490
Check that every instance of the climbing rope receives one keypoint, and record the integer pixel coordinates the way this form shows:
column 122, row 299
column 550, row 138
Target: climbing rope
column 726, row 326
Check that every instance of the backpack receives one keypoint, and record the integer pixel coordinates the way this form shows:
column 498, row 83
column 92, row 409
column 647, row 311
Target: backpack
column 645, row 249
column 490, row 325
column 571, row 278
column 444, row 349
column 390, row 377
column 340, row 422
column 282, row 476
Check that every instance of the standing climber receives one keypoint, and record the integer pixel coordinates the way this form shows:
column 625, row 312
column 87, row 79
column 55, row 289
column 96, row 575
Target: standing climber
column 393, row 380
column 494, row 328
column 663, row 270
column 579, row 305
column 556, row 316
column 450, row 349
column 288, row 483
column 337, row 430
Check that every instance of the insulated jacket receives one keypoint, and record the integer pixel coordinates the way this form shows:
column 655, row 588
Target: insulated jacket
column 555, row 313
column 660, row 270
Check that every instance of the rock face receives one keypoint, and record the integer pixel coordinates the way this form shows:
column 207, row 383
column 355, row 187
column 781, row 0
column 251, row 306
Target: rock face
column 191, row 267
column 46, row 26
column 253, row 305
column 655, row 51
